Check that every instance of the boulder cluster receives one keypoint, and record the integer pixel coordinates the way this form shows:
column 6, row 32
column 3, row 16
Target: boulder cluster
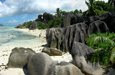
column 39, row 63
column 93, row 21
column 77, row 28
column 71, row 37
column 33, row 24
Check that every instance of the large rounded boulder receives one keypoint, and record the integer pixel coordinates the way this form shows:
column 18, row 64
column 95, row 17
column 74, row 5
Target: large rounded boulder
column 19, row 57
column 40, row 64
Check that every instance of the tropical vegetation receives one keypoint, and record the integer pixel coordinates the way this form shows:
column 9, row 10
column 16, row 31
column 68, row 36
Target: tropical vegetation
column 98, row 7
column 103, row 44
column 95, row 7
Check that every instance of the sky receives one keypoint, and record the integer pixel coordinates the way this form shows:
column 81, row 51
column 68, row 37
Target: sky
column 15, row 12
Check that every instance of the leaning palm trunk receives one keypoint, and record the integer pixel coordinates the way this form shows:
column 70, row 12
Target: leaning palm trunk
column 111, row 2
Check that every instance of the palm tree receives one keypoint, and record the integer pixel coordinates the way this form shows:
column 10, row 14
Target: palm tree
column 58, row 12
column 90, row 5
column 112, row 2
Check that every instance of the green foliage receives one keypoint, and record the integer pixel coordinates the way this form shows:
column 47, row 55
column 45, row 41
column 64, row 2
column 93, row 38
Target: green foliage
column 94, row 8
column 101, row 5
column 103, row 44
column 62, row 12
column 111, row 2
column 41, row 25
column 25, row 24
column 77, row 11
column 100, row 12
column 91, row 8
column 52, row 23
column 55, row 23
column 98, row 7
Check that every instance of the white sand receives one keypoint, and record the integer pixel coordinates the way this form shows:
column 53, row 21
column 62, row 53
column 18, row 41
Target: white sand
column 6, row 49
column 36, row 32
column 12, row 71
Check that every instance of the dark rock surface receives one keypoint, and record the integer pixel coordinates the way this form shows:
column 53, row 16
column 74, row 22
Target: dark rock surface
column 111, row 71
column 63, row 38
column 109, row 19
column 97, row 26
column 67, row 20
column 70, row 19
column 19, row 57
column 40, row 18
column 47, row 17
column 93, row 18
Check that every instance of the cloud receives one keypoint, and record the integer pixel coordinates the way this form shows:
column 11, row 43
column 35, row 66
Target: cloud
column 14, row 7
column 5, row 10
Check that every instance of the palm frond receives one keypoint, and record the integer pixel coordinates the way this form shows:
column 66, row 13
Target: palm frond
column 102, row 44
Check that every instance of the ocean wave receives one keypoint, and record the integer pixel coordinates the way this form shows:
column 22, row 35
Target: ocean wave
column 10, row 35
column 6, row 37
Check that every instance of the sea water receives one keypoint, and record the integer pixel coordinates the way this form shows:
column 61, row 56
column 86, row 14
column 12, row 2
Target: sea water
column 11, row 35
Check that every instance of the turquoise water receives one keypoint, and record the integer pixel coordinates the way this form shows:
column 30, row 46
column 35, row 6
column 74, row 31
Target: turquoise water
column 11, row 34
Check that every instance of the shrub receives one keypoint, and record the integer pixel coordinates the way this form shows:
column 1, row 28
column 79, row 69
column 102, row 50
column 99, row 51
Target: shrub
column 52, row 23
column 98, row 7
column 55, row 23
column 102, row 43
column 41, row 25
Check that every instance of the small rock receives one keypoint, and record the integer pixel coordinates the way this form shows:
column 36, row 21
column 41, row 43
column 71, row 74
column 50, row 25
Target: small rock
column 52, row 51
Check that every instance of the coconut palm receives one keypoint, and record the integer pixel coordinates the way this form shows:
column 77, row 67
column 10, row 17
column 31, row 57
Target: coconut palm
column 96, row 7
column 112, row 2
column 90, row 5
column 58, row 12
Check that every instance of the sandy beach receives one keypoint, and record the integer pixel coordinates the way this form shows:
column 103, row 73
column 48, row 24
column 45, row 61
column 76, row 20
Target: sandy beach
column 6, row 49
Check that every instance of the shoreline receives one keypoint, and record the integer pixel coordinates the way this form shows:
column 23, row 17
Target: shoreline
column 6, row 49
column 36, row 32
